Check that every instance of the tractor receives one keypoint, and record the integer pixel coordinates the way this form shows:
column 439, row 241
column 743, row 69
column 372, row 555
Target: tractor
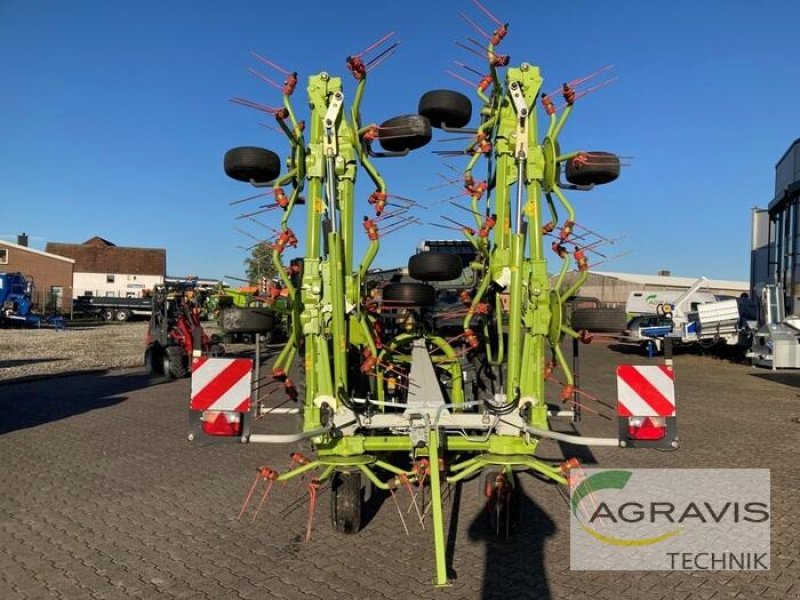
column 175, row 333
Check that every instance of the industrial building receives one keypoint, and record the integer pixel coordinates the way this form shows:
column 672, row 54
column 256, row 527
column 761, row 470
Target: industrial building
column 775, row 242
column 612, row 289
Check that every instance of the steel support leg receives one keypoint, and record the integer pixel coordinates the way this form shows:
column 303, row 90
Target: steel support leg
column 437, row 509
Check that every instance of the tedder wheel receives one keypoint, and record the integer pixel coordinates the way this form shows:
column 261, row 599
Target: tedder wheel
column 408, row 132
column 153, row 360
column 108, row 314
column 174, row 362
column 418, row 294
column 122, row 315
column 592, row 168
column 445, row 107
column 435, row 266
column 346, row 502
column 247, row 163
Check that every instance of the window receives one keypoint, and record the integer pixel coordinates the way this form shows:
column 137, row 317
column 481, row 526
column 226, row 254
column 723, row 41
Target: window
column 109, row 279
column 3, row 256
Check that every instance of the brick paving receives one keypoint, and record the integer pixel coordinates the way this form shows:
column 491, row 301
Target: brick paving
column 101, row 496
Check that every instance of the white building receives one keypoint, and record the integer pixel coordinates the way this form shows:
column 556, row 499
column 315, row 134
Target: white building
column 104, row 269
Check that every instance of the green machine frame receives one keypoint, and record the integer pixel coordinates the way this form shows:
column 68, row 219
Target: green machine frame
column 333, row 328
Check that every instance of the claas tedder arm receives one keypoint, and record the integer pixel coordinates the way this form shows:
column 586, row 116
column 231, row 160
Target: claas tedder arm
column 382, row 378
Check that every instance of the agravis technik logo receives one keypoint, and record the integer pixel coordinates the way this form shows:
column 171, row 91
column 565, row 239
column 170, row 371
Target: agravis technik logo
column 605, row 480
column 670, row 519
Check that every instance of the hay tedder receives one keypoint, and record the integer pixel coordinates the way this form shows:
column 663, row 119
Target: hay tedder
column 393, row 395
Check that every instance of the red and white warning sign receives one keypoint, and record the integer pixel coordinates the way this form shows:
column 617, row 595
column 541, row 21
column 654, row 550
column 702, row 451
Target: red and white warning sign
column 221, row 384
column 645, row 391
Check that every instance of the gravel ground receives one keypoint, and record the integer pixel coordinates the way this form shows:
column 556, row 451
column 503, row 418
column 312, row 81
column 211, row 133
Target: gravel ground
column 26, row 353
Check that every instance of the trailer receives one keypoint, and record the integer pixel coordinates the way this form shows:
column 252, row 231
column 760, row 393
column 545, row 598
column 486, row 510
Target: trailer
column 395, row 397
column 689, row 319
column 114, row 309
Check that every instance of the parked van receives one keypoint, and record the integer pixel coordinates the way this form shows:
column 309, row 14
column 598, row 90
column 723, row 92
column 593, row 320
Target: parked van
column 645, row 302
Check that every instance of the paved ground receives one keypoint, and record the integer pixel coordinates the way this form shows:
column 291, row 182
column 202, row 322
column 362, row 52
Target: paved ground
column 102, row 497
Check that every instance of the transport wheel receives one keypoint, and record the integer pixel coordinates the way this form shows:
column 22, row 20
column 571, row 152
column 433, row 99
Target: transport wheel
column 407, row 132
column 122, row 315
column 417, row 294
column 445, row 107
column 502, row 502
column 592, row 168
column 108, row 314
column 434, row 266
column 247, row 163
column 174, row 362
column 153, row 360
column 346, row 502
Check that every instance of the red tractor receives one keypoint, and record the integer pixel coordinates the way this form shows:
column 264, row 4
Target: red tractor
column 175, row 333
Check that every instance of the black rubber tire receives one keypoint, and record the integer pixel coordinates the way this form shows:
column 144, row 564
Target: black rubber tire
column 107, row 314
column 445, row 107
column 175, row 362
column 435, row 266
column 153, row 360
column 597, row 169
column 236, row 319
column 347, row 502
column 247, row 163
column 407, row 132
column 598, row 319
column 418, row 294
column 122, row 315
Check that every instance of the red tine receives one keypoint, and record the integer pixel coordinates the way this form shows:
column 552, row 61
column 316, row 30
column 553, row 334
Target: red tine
column 271, row 64
column 250, row 198
column 462, row 79
column 263, row 77
column 373, row 46
column 471, row 22
column 487, row 13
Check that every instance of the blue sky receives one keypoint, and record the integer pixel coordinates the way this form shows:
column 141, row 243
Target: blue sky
column 115, row 116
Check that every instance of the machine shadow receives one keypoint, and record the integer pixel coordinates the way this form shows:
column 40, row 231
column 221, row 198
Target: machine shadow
column 512, row 564
column 63, row 396
column 785, row 378
column 21, row 362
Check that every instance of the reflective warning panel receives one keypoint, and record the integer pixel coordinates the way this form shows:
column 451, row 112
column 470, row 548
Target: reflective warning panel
column 646, row 406
column 221, row 384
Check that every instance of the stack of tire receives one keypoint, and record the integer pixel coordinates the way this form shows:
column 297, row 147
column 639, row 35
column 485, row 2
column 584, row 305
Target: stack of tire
column 245, row 323
column 598, row 319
